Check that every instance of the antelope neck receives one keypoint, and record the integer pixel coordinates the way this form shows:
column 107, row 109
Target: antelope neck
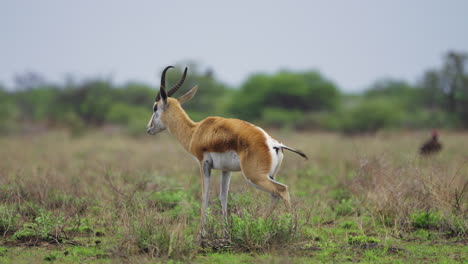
column 182, row 127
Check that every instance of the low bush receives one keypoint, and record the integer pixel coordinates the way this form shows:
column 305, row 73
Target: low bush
column 425, row 220
column 45, row 227
column 250, row 233
column 360, row 240
column 344, row 207
column 8, row 220
column 157, row 236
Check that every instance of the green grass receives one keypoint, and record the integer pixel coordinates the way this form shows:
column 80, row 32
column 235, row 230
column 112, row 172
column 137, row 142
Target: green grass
column 108, row 198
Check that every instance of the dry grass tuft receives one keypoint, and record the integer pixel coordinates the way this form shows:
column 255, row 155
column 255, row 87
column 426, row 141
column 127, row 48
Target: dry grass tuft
column 397, row 193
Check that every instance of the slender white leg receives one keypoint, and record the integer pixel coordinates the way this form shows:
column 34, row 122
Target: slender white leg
column 223, row 194
column 206, row 183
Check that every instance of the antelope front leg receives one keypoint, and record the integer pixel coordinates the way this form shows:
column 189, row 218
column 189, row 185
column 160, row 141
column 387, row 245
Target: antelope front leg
column 206, row 177
column 223, row 195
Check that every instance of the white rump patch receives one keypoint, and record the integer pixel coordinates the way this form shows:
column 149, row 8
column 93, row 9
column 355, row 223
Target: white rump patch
column 276, row 157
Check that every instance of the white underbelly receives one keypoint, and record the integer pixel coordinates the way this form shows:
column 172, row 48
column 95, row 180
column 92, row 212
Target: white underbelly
column 226, row 161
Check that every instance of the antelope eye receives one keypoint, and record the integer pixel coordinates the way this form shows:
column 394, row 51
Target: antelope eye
column 155, row 108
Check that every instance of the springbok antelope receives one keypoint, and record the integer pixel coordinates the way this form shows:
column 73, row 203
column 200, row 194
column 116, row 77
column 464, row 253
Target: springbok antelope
column 223, row 144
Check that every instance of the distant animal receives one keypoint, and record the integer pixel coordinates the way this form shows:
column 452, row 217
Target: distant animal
column 222, row 144
column 432, row 145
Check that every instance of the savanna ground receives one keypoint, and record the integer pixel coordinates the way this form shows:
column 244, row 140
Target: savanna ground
column 103, row 197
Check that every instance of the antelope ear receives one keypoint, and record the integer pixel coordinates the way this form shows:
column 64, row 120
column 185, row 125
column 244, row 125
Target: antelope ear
column 163, row 99
column 189, row 95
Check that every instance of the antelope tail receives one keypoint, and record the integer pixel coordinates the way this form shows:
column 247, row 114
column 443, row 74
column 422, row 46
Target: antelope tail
column 295, row 151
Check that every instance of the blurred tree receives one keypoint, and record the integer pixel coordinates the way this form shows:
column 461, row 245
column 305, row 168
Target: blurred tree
column 36, row 103
column 447, row 88
column 372, row 115
column 297, row 99
column 90, row 101
column 29, row 80
column 432, row 96
column 305, row 92
column 402, row 93
column 8, row 111
column 453, row 79
column 136, row 94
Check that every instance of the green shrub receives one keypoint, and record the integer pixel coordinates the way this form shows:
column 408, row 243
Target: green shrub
column 257, row 234
column 425, row 220
column 26, row 232
column 424, row 235
column 3, row 251
column 371, row 115
column 348, row 225
column 8, row 220
column 360, row 240
column 45, row 226
column 344, row 207
column 305, row 91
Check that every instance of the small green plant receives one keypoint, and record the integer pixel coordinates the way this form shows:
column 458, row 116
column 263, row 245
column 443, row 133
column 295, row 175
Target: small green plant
column 52, row 256
column 45, row 227
column 253, row 234
column 425, row 220
column 361, row 240
column 79, row 251
column 7, row 220
column 26, row 232
column 424, row 235
column 3, row 251
column 345, row 207
column 47, row 223
column 348, row 225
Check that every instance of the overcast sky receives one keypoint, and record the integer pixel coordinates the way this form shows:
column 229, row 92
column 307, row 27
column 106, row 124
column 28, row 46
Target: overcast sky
column 351, row 42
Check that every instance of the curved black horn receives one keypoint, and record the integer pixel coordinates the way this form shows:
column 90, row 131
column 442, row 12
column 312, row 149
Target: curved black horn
column 179, row 84
column 163, row 81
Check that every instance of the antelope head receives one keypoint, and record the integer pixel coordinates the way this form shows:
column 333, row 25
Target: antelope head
column 164, row 107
